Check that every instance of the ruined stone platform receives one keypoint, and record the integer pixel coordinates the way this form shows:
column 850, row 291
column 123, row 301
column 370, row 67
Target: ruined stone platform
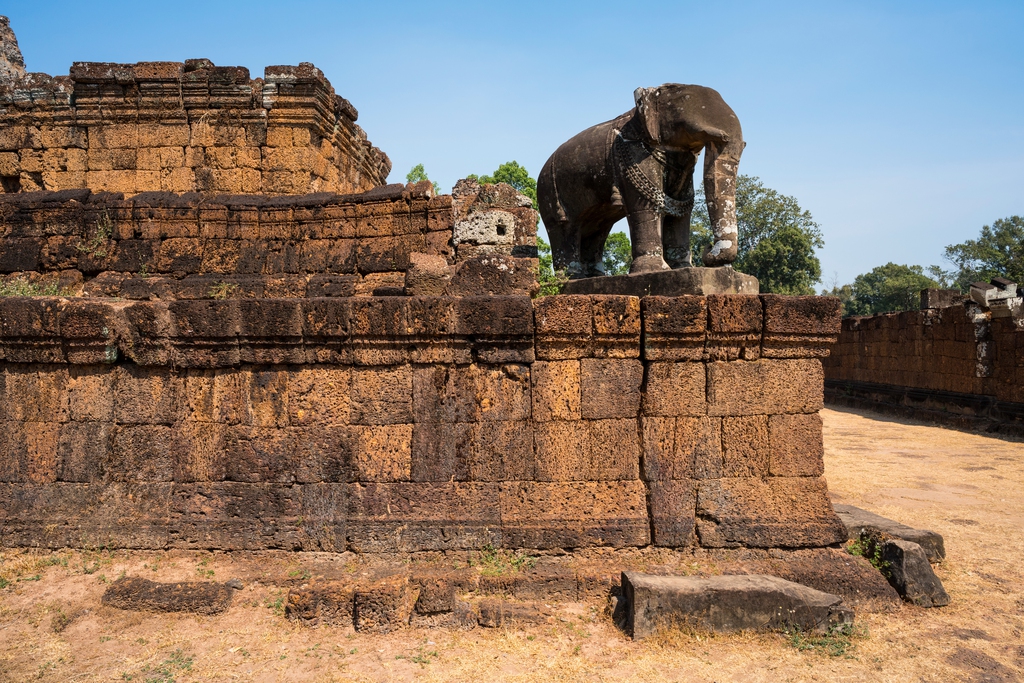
column 697, row 281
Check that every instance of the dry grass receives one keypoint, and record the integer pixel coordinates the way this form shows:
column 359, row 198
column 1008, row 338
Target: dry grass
column 967, row 487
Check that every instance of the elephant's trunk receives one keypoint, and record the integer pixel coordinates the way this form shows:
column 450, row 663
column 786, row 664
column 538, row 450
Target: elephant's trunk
column 721, row 163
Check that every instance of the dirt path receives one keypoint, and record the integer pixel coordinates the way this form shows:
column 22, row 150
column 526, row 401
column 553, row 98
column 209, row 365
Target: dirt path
column 967, row 487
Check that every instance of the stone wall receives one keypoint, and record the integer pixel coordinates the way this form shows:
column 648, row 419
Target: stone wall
column 182, row 127
column 192, row 246
column 955, row 363
column 415, row 423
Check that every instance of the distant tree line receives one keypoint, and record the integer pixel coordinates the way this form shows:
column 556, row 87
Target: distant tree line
column 997, row 252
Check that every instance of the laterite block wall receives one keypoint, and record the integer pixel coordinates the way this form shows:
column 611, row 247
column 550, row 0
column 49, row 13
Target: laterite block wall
column 183, row 127
column 953, row 362
column 168, row 246
column 415, row 423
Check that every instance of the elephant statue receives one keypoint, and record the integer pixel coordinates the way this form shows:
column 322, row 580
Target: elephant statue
column 639, row 166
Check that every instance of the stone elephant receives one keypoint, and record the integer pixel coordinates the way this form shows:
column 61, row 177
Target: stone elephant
column 640, row 166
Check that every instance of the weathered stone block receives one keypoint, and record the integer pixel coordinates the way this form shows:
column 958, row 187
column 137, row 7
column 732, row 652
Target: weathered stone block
column 385, row 605
column 616, row 326
column 383, row 453
column 675, row 328
column 231, row 396
column 802, row 315
column 614, row 450
column 564, row 326
column 745, row 448
column 319, row 395
column 682, row 448
column 610, row 387
column 243, row 516
column 496, row 451
column 466, row 393
column 796, row 446
column 765, row 387
column 29, row 452
column 909, row 572
column 859, row 521
column 701, row 436
column 726, row 604
column 437, row 590
column 573, row 515
column 556, row 390
column 780, row 512
column 196, row 597
column 268, row 398
column 144, row 453
column 74, row 515
column 563, row 450
column 82, row 451
column 330, row 602
column 411, row 517
column 36, row 393
column 673, row 512
column 675, row 389
column 382, row 395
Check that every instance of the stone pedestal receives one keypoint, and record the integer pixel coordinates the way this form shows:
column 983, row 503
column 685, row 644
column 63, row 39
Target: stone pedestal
column 699, row 281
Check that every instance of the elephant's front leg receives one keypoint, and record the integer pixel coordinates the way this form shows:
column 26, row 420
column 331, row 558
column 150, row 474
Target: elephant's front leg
column 644, row 220
column 645, row 229
column 676, row 232
column 675, row 228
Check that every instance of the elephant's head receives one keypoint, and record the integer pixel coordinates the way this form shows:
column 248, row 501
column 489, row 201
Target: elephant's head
column 689, row 118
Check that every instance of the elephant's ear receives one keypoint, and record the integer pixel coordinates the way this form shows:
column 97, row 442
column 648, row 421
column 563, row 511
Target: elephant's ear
column 647, row 110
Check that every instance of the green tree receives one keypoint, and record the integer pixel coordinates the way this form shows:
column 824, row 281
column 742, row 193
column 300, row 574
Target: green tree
column 550, row 281
column 515, row 175
column 618, row 254
column 419, row 174
column 777, row 238
column 884, row 289
column 998, row 252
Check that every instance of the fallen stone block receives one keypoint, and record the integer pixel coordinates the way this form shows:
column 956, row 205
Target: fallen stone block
column 905, row 564
column 385, row 605
column 200, row 597
column 437, row 591
column 726, row 603
column 860, row 521
column 326, row 603
column 462, row 617
column 495, row 613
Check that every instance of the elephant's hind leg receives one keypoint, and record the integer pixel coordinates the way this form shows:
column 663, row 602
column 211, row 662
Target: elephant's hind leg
column 565, row 248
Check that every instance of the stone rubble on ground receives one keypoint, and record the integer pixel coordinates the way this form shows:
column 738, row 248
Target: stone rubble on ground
column 859, row 521
column 906, row 566
column 726, row 604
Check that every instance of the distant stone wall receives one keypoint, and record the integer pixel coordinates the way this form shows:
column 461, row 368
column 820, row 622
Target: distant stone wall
column 415, row 423
column 182, row 127
column 956, row 364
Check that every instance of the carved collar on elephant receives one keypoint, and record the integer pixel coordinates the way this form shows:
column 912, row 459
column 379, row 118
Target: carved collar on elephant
column 629, row 154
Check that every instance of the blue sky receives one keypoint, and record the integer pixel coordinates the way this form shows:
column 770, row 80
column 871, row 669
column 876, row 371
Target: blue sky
column 900, row 126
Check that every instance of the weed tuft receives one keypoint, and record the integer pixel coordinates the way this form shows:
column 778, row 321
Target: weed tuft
column 838, row 641
column 96, row 246
column 22, row 287
column 871, row 550
column 222, row 290
column 494, row 561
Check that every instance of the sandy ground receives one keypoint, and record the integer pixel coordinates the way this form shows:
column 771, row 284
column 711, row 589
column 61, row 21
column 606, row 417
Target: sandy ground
column 968, row 487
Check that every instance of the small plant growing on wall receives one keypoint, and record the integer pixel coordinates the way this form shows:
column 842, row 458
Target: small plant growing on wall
column 96, row 246
column 222, row 290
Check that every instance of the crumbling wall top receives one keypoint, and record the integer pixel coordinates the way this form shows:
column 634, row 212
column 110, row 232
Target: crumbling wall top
column 179, row 127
